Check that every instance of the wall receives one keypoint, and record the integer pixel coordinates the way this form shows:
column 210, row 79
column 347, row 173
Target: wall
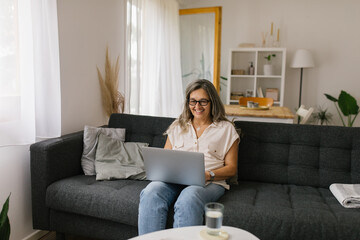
column 328, row 28
column 86, row 27
column 15, row 179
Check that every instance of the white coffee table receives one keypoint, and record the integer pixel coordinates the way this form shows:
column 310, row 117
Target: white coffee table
column 193, row 232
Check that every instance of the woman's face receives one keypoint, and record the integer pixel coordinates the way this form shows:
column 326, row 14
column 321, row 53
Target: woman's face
column 200, row 109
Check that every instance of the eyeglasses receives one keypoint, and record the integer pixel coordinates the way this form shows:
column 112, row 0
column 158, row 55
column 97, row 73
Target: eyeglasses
column 202, row 102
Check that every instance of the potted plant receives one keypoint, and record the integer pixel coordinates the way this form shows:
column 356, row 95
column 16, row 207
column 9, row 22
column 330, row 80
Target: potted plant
column 268, row 67
column 112, row 100
column 322, row 116
column 4, row 221
column 347, row 105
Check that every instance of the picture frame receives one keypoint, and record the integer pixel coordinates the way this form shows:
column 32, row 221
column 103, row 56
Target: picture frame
column 272, row 93
column 249, row 93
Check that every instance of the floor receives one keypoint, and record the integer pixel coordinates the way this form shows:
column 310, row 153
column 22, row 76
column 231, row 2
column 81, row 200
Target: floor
column 49, row 236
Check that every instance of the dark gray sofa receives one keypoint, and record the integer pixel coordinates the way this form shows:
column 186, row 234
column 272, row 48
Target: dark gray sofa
column 284, row 173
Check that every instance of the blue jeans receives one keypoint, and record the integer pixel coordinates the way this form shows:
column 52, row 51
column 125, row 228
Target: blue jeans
column 157, row 197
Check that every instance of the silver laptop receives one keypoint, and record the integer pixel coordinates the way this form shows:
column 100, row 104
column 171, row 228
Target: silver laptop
column 173, row 166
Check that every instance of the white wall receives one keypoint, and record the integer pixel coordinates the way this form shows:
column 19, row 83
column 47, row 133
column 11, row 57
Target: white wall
column 15, row 178
column 86, row 27
column 328, row 28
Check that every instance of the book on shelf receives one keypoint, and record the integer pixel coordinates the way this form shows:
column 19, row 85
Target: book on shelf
column 236, row 95
column 260, row 92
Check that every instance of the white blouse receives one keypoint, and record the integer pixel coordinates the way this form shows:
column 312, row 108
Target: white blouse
column 215, row 142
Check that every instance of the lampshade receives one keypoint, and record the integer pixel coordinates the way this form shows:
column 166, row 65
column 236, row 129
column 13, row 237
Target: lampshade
column 302, row 59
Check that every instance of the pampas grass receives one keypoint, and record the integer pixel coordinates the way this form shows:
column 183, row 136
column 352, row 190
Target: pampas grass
column 112, row 99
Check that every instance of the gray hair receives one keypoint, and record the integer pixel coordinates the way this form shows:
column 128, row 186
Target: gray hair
column 217, row 112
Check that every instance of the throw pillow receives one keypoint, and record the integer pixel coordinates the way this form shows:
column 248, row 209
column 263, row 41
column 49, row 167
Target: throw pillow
column 119, row 160
column 91, row 135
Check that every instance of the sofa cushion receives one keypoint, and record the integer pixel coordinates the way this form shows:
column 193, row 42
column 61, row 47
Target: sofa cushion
column 276, row 211
column 117, row 200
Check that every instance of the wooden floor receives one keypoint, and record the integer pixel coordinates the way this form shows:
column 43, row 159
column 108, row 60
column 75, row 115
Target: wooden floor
column 49, row 236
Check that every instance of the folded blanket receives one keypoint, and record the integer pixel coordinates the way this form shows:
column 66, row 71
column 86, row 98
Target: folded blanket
column 347, row 194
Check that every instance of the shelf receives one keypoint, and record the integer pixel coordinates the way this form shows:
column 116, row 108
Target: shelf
column 237, row 102
column 253, row 76
column 257, row 49
column 269, row 76
column 243, row 76
column 275, row 50
column 240, row 58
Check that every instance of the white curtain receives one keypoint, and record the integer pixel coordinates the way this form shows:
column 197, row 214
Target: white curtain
column 154, row 61
column 29, row 71
column 133, row 56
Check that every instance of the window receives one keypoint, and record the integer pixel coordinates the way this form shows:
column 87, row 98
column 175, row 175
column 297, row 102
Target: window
column 9, row 62
column 133, row 33
column 29, row 106
column 153, row 57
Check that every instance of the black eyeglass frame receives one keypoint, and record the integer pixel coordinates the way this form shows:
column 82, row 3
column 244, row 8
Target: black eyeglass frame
column 202, row 102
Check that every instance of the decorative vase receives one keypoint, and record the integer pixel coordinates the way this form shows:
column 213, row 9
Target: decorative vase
column 268, row 69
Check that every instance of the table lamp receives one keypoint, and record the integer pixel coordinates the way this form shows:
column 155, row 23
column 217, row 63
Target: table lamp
column 302, row 59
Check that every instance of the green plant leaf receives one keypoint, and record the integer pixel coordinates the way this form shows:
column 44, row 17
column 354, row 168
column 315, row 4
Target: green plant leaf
column 4, row 211
column 331, row 98
column 4, row 221
column 5, row 230
column 347, row 104
column 268, row 57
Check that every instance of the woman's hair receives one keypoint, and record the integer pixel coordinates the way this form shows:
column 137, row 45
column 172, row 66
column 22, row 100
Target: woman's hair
column 217, row 111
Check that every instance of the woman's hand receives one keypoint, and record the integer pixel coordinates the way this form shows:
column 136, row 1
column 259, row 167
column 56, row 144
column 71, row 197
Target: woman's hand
column 207, row 176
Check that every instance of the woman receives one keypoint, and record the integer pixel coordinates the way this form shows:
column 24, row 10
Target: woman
column 202, row 127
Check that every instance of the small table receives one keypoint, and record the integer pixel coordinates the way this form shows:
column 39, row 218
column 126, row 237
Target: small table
column 193, row 232
column 273, row 114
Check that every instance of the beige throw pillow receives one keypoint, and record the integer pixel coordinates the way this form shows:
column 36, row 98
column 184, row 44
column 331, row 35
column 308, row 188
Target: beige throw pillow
column 119, row 160
column 91, row 135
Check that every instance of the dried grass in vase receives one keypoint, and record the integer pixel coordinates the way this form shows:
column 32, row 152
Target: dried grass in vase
column 112, row 99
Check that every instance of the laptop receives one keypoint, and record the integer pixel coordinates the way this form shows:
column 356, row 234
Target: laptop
column 173, row 166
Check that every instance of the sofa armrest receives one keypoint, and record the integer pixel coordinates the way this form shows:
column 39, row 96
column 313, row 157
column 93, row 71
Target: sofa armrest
column 50, row 161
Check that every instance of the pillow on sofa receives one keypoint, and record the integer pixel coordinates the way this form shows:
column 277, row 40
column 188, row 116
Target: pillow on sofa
column 119, row 160
column 91, row 135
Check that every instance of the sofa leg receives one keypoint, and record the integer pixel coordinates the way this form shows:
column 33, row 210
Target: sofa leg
column 60, row 236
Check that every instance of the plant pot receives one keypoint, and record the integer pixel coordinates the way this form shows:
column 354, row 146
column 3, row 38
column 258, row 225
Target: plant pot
column 268, row 69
